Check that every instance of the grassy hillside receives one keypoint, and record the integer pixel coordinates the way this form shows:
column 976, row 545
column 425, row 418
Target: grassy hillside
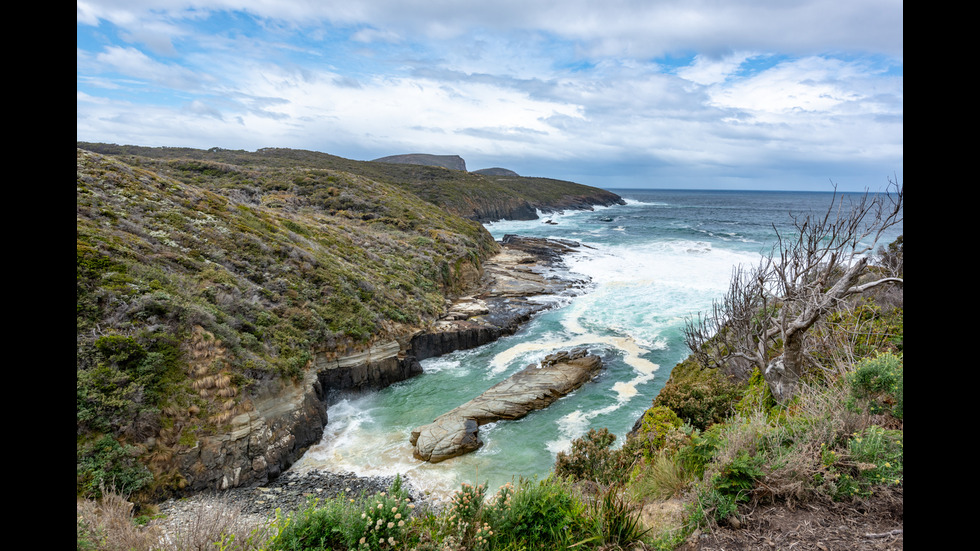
column 463, row 193
column 253, row 266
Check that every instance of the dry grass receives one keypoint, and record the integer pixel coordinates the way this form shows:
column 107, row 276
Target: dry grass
column 108, row 525
column 790, row 449
column 213, row 521
column 827, row 405
column 663, row 477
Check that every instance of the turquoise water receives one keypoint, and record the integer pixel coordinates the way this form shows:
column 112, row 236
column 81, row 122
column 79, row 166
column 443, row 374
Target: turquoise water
column 653, row 263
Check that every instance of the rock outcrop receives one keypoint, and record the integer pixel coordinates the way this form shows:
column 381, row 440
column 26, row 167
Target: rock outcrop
column 516, row 208
column 534, row 387
column 282, row 422
column 377, row 367
column 509, row 294
column 452, row 162
column 496, row 171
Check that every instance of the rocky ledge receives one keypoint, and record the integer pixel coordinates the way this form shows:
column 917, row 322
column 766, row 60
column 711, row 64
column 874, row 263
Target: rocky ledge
column 513, row 288
column 534, row 387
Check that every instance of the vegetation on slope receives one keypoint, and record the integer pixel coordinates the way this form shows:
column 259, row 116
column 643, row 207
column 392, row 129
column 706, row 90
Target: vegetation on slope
column 198, row 282
column 717, row 441
column 462, row 193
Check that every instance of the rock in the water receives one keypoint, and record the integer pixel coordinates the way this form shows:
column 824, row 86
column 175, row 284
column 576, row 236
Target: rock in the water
column 456, row 432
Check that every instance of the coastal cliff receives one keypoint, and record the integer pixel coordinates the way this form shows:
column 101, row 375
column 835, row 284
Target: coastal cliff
column 452, row 162
column 220, row 304
column 502, row 194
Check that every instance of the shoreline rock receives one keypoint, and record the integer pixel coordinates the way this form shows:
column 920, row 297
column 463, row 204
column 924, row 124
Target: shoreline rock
column 535, row 387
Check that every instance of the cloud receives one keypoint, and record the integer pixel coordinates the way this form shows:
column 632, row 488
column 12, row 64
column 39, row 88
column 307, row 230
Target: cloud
column 133, row 63
column 613, row 27
column 812, row 85
column 721, row 88
column 705, row 70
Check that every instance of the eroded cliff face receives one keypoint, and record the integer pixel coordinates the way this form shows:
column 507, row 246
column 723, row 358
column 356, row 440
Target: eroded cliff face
column 259, row 444
column 514, row 208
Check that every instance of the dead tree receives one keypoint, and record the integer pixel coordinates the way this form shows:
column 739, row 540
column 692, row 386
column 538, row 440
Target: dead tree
column 806, row 275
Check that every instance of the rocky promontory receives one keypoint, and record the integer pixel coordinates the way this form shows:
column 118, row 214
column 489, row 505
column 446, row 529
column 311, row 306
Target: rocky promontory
column 452, row 162
column 534, row 387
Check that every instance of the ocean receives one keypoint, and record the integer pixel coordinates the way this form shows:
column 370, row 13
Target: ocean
column 652, row 264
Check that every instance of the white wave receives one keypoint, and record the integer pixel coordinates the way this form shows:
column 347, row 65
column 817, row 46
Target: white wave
column 440, row 363
column 630, row 202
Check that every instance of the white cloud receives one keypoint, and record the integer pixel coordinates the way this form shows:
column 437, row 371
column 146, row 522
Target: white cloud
column 705, row 70
column 568, row 80
column 375, row 35
column 612, row 27
column 133, row 63
column 811, row 85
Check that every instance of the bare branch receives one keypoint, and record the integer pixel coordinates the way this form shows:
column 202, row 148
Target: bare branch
column 808, row 273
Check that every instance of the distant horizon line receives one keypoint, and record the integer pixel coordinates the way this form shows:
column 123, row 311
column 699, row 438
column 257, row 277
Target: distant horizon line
column 728, row 190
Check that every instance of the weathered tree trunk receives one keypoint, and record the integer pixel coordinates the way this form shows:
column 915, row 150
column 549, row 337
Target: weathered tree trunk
column 783, row 373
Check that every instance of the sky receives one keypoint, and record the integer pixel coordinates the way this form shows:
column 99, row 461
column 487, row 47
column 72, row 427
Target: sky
column 689, row 94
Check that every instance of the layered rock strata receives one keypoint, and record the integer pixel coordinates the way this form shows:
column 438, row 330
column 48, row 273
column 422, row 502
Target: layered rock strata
column 534, row 387
column 281, row 423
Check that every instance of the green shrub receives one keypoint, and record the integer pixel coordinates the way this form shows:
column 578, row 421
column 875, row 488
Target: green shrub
column 656, row 425
column 463, row 514
column 738, row 477
column 700, row 396
column 543, row 514
column 591, row 457
column 714, row 505
column 660, row 477
column 376, row 522
column 879, row 454
column 696, row 456
column 125, row 384
column 756, row 396
column 871, row 457
column 107, row 464
column 866, row 327
column 879, row 381
column 613, row 520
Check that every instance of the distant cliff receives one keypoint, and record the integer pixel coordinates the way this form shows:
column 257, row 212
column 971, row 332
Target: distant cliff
column 520, row 198
column 452, row 162
column 496, row 171
column 501, row 195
